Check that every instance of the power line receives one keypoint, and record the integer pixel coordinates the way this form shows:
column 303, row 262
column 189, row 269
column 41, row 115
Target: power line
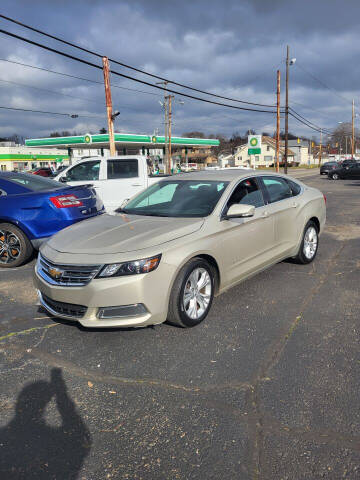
column 300, row 119
column 306, row 119
column 46, row 90
column 130, row 67
column 57, row 93
column 313, row 109
column 51, row 113
column 323, row 129
column 322, row 83
column 86, row 62
column 78, row 78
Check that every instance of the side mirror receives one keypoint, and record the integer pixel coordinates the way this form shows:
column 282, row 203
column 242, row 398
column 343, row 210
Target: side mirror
column 239, row 210
column 63, row 179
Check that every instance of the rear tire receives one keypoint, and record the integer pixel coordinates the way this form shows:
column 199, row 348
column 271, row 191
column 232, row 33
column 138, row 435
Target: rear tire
column 15, row 247
column 309, row 244
column 192, row 294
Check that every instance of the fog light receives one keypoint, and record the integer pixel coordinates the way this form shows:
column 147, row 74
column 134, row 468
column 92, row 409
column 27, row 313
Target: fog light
column 122, row 311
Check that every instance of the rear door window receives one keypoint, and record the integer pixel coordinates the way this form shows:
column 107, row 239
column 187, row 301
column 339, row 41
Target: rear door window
column 122, row 168
column 33, row 183
column 277, row 189
column 295, row 187
column 84, row 172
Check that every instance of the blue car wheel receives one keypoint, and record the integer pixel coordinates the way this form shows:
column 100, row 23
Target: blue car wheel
column 15, row 247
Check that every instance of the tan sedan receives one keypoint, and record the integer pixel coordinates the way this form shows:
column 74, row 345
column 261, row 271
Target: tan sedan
column 175, row 245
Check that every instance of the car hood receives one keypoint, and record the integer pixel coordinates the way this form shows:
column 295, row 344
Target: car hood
column 121, row 233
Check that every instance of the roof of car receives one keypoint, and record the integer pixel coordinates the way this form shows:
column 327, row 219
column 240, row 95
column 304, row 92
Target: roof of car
column 227, row 174
column 11, row 174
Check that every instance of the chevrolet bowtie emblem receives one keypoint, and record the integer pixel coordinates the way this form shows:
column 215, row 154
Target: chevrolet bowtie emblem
column 55, row 274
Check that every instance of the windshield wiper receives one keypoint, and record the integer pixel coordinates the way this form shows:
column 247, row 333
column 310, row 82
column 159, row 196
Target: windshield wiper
column 153, row 214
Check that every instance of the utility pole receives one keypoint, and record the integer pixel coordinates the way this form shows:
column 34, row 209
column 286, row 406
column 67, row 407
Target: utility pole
column 109, row 105
column 278, row 121
column 320, row 147
column 353, row 130
column 166, row 124
column 286, row 111
column 169, row 97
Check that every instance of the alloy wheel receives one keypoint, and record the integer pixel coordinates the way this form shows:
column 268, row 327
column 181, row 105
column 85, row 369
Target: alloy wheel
column 310, row 242
column 197, row 293
column 10, row 246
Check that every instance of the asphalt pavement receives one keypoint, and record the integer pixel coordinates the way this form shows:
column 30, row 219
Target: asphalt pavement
column 266, row 388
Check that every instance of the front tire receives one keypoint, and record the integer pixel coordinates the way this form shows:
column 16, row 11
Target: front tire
column 192, row 294
column 15, row 247
column 335, row 176
column 309, row 244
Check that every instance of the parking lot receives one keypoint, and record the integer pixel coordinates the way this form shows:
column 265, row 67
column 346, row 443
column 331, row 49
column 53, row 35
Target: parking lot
column 266, row 388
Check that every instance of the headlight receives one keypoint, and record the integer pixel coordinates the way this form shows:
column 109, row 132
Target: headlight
column 145, row 265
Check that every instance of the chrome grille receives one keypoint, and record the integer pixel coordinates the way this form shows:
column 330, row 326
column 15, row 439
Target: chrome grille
column 66, row 275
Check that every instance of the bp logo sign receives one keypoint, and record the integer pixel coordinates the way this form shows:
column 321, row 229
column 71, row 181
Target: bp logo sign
column 87, row 138
column 254, row 144
column 153, row 139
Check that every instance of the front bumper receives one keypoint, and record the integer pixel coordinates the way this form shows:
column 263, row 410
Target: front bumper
column 150, row 290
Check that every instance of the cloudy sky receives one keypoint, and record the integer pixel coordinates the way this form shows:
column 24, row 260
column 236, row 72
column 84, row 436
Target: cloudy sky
column 229, row 47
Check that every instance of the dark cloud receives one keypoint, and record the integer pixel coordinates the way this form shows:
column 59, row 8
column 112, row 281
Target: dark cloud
column 228, row 47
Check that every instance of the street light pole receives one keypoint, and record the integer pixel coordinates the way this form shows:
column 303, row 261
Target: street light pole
column 286, row 111
column 353, row 130
column 170, row 97
column 278, row 121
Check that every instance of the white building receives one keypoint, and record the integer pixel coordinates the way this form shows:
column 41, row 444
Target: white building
column 301, row 149
column 267, row 157
column 18, row 157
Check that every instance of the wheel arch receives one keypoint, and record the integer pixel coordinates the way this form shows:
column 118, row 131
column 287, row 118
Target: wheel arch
column 19, row 225
column 204, row 256
column 211, row 260
column 316, row 221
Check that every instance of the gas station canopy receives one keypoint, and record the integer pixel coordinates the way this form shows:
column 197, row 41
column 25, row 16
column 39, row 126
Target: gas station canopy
column 121, row 140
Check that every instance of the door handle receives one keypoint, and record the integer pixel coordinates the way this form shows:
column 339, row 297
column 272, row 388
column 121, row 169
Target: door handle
column 295, row 205
column 265, row 215
column 136, row 184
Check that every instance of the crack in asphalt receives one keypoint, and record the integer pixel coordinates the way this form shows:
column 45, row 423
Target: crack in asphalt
column 27, row 331
column 56, row 361
column 275, row 352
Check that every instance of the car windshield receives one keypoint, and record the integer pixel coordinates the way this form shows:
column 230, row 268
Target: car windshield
column 182, row 198
column 34, row 183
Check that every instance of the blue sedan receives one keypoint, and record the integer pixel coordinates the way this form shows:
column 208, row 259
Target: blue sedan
column 33, row 208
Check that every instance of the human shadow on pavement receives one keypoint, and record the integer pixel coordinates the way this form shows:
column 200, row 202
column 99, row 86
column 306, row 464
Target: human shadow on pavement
column 30, row 448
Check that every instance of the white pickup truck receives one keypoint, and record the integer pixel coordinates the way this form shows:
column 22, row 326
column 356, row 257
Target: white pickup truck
column 115, row 178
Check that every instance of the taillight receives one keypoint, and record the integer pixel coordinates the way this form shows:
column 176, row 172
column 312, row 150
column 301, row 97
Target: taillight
column 324, row 198
column 66, row 201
